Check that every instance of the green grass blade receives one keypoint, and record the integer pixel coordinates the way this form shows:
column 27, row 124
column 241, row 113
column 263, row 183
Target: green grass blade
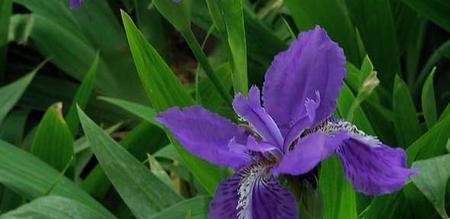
column 33, row 178
column 5, row 11
column 53, row 207
column 233, row 16
column 11, row 93
column 142, row 191
column 198, row 208
column 432, row 180
column 406, row 123
column 429, row 100
column 164, row 91
column 53, row 141
column 437, row 11
column 375, row 24
column 82, row 96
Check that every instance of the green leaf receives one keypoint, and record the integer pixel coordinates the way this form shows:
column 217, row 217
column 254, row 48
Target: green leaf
column 334, row 18
column 339, row 198
column 232, row 12
column 53, row 207
column 11, row 93
column 432, row 180
column 432, row 143
column 429, row 101
column 142, row 191
column 20, row 28
column 177, row 13
column 33, row 178
column 164, row 91
column 198, row 208
column 144, row 112
column 406, row 123
column 53, row 142
column 437, row 11
column 375, row 24
column 159, row 171
column 82, row 96
column 5, row 11
column 13, row 128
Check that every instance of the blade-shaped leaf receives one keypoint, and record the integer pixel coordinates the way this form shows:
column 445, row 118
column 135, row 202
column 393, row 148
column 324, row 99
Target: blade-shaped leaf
column 53, row 141
column 33, row 178
column 53, row 207
column 432, row 180
column 142, row 191
column 82, row 96
column 437, row 11
column 429, row 101
column 144, row 112
column 405, row 120
column 159, row 171
column 164, row 91
column 233, row 16
column 11, row 93
column 198, row 208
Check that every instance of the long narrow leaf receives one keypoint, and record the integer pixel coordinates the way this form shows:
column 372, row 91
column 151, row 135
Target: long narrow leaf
column 429, row 101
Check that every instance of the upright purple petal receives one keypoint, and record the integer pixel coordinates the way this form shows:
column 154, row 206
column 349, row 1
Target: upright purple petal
column 75, row 3
column 252, row 193
column 374, row 170
column 307, row 153
column 251, row 110
column 312, row 64
column 205, row 134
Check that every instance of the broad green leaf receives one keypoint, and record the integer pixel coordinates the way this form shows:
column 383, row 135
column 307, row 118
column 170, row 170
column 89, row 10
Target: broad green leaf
column 11, row 93
column 33, row 178
column 142, row 191
column 233, row 16
column 177, row 13
column 144, row 112
column 331, row 15
column 159, row 172
column 432, row 143
column 53, row 207
column 406, row 123
column 198, row 208
column 375, row 24
column 339, row 198
column 437, row 11
column 5, row 11
column 432, row 180
column 53, row 141
column 429, row 101
column 164, row 91
column 82, row 96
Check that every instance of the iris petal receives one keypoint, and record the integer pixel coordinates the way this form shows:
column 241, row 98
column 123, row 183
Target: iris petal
column 206, row 134
column 75, row 3
column 313, row 63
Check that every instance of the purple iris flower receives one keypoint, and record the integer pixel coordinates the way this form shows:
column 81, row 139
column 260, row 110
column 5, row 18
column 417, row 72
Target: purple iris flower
column 75, row 3
column 290, row 134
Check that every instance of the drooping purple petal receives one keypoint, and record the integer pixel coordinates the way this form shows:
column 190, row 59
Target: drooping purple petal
column 312, row 64
column 75, row 3
column 252, row 193
column 374, row 170
column 205, row 134
column 251, row 110
column 225, row 201
column 307, row 153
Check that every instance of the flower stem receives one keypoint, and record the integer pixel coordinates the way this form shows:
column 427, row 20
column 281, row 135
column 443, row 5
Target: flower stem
column 203, row 60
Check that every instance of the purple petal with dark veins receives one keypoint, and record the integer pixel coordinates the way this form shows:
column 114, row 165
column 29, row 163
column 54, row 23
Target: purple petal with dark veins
column 75, row 3
column 374, row 169
column 313, row 63
column 252, row 193
column 307, row 153
column 251, row 110
column 205, row 134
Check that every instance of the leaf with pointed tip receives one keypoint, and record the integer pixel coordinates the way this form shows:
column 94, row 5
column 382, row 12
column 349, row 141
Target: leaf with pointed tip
column 429, row 101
